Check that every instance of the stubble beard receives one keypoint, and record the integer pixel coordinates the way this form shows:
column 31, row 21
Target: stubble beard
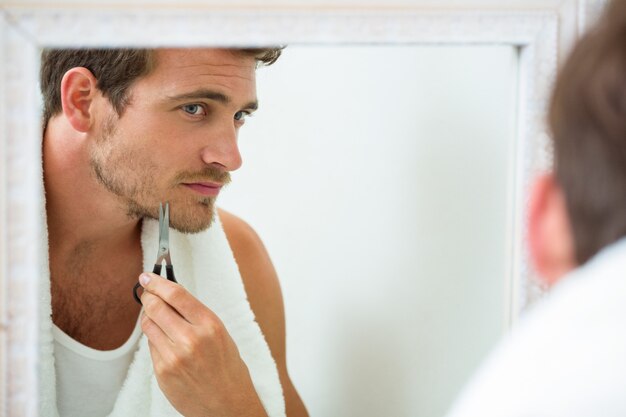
column 130, row 175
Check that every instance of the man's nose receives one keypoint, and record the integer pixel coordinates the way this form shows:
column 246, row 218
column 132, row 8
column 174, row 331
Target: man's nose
column 221, row 148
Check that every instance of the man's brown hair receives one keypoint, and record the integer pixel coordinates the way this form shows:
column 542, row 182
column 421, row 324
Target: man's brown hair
column 588, row 122
column 115, row 69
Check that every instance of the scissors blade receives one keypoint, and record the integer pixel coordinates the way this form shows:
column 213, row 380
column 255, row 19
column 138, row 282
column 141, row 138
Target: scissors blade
column 165, row 227
column 163, row 243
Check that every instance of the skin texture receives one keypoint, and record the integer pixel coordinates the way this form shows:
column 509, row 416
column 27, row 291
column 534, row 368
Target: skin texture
column 104, row 172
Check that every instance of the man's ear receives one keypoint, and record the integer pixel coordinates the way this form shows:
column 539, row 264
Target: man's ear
column 550, row 238
column 78, row 90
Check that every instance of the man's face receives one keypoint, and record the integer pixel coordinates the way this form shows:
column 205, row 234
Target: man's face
column 176, row 140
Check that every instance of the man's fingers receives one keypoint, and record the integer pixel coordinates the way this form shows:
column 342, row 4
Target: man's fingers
column 164, row 316
column 176, row 296
column 154, row 333
column 158, row 363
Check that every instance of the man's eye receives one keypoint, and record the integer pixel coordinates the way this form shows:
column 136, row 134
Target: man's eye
column 194, row 109
column 241, row 115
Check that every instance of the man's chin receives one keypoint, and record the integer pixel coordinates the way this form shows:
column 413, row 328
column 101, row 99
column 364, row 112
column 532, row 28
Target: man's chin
column 186, row 217
column 191, row 227
column 193, row 218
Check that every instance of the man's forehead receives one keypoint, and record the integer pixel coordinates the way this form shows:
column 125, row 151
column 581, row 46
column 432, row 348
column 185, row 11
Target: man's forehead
column 180, row 71
column 197, row 66
column 181, row 58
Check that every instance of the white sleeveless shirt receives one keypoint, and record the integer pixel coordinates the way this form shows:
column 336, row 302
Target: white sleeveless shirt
column 89, row 380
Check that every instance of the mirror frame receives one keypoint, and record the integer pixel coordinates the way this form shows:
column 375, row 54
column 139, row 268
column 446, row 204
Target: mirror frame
column 24, row 30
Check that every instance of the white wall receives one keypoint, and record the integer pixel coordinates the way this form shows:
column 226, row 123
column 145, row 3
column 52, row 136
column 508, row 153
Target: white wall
column 377, row 177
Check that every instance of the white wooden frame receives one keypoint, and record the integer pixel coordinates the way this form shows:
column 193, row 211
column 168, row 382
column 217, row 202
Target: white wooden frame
column 24, row 30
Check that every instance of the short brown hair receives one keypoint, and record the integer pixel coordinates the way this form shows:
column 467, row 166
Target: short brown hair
column 588, row 122
column 115, row 69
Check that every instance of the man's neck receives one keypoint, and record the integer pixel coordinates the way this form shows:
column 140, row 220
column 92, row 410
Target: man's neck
column 94, row 247
column 87, row 224
column 81, row 213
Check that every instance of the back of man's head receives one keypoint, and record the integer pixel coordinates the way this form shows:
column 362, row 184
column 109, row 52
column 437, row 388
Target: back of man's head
column 588, row 122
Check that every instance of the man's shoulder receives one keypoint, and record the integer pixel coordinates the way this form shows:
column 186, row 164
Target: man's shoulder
column 564, row 356
column 241, row 236
column 264, row 294
column 255, row 266
column 253, row 260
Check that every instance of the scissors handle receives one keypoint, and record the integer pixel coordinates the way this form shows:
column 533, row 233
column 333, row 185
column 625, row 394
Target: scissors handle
column 135, row 288
column 169, row 272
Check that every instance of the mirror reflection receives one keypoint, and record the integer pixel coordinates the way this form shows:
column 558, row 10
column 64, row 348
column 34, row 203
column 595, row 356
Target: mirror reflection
column 132, row 136
column 378, row 181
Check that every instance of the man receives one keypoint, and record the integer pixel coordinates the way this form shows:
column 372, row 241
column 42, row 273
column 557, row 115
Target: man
column 567, row 357
column 123, row 131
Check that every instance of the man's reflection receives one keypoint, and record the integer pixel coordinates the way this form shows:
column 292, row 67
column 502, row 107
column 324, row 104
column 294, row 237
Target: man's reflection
column 123, row 131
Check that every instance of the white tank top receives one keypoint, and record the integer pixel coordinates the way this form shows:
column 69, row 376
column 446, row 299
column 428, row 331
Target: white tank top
column 89, row 380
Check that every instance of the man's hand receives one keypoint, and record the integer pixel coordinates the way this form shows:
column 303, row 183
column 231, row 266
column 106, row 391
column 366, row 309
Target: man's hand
column 196, row 362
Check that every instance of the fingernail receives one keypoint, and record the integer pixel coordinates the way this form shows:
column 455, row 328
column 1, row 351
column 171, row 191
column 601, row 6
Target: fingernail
column 144, row 279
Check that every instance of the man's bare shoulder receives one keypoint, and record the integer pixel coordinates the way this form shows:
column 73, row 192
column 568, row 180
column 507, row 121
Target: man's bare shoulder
column 238, row 232
column 261, row 283
column 250, row 253
column 259, row 277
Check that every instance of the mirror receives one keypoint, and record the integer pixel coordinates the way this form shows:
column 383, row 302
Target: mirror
column 371, row 269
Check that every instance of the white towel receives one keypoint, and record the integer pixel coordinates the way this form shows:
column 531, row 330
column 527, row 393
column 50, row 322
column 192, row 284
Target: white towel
column 205, row 266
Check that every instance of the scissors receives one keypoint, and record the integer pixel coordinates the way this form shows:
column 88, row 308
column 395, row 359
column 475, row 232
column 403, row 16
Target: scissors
column 164, row 249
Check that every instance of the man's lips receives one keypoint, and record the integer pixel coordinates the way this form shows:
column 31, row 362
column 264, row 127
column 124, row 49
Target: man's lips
column 205, row 188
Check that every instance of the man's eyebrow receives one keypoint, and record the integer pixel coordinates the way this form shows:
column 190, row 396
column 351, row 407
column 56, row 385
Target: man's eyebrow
column 211, row 95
